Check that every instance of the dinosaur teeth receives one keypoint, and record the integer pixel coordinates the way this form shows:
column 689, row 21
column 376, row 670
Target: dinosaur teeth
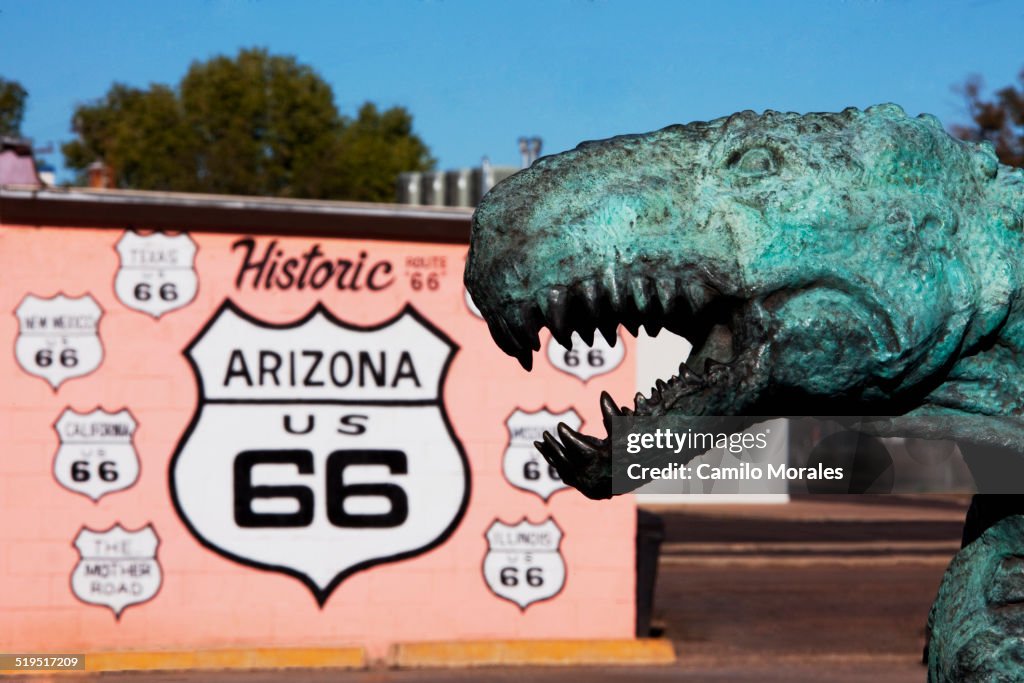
column 532, row 323
column 554, row 304
column 503, row 336
column 689, row 376
column 698, row 295
column 600, row 304
column 653, row 327
column 642, row 295
column 607, row 330
column 586, row 333
column 617, row 293
column 665, row 290
column 608, row 411
column 590, row 291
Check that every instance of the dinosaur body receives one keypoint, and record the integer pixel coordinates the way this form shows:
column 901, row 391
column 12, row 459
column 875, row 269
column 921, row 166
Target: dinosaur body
column 852, row 263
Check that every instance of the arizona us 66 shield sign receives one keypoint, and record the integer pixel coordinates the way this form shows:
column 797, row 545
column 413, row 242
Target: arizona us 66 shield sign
column 293, row 462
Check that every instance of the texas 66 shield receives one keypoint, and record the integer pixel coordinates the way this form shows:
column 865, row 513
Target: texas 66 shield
column 295, row 462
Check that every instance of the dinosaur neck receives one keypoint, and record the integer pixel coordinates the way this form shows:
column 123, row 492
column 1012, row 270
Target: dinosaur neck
column 988, row 377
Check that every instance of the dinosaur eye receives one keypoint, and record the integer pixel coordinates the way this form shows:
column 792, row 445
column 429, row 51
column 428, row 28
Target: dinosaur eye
column 758, row 161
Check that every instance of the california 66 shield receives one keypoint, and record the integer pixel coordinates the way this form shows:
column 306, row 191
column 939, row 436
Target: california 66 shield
column 319, row 448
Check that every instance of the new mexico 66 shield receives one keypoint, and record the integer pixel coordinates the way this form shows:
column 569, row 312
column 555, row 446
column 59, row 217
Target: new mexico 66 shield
column 58, row 337
column 320, row 448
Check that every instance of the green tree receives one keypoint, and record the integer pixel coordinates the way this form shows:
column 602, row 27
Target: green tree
column 12, row 107
column 375, row 148
column 254, row 124
column 141, row 134
column 999, row 120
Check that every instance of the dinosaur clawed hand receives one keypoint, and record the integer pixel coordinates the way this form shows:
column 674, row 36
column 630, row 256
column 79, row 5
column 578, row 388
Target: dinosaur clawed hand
column 585, row 462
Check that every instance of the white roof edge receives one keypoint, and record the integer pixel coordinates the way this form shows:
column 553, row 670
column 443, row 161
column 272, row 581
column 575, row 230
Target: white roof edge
column 215, row 201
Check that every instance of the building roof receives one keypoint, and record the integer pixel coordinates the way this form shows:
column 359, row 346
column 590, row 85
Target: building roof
column 83, row 207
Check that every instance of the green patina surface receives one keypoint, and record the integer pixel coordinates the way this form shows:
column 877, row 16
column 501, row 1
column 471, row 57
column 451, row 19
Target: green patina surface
column 978, row 617
column 851, row 263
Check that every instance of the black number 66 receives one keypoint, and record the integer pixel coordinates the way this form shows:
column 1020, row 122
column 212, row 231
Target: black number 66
column 337, row 490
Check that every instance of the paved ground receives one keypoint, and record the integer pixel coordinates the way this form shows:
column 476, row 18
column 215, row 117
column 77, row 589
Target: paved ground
column 822, row 589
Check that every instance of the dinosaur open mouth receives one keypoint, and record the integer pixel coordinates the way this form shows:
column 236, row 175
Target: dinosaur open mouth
column 723, row 329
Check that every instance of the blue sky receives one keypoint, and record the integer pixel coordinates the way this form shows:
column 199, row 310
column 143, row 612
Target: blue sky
column 477, row 75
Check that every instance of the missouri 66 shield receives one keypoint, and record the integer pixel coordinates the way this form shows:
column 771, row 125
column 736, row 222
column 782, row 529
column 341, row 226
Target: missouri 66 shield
column 319, row 448
column 523, row 465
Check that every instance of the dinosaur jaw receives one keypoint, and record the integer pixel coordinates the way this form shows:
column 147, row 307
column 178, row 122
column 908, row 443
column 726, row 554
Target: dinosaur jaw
column 723, row 376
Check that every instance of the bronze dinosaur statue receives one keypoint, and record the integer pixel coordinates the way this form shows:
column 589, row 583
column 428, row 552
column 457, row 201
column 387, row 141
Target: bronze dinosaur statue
column 851, row 263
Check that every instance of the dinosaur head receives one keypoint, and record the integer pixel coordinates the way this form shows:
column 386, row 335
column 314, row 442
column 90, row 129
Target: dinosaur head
column 852, row 258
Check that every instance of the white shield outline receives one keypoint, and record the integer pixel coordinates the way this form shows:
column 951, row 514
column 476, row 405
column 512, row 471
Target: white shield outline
column 557, row 551
column 554, row 348
column 160, row 235
column 322, row 594
column 99, row 340
column 129, row 532
column 131, row 443
column 558, row 417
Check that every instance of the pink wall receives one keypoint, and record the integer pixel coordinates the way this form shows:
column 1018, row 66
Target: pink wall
column 194, row 594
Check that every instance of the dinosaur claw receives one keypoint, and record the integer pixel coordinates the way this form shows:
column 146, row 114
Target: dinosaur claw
column 579, row 446
column 554, row 453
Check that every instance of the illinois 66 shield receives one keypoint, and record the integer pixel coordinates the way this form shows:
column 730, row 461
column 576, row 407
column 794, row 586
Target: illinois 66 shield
column 319, row 448
column 524, row 563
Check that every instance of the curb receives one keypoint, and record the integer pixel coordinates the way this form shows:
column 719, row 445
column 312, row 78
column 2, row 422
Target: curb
column 459, row 654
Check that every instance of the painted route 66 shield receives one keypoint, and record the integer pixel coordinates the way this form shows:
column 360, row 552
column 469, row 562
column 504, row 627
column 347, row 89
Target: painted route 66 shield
column 58, row 337
column 117, row 568
column 523, row 563
column 157, row 272
column 584, row 361
column 96, row 454
column 319, row 448
column 523, row 465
